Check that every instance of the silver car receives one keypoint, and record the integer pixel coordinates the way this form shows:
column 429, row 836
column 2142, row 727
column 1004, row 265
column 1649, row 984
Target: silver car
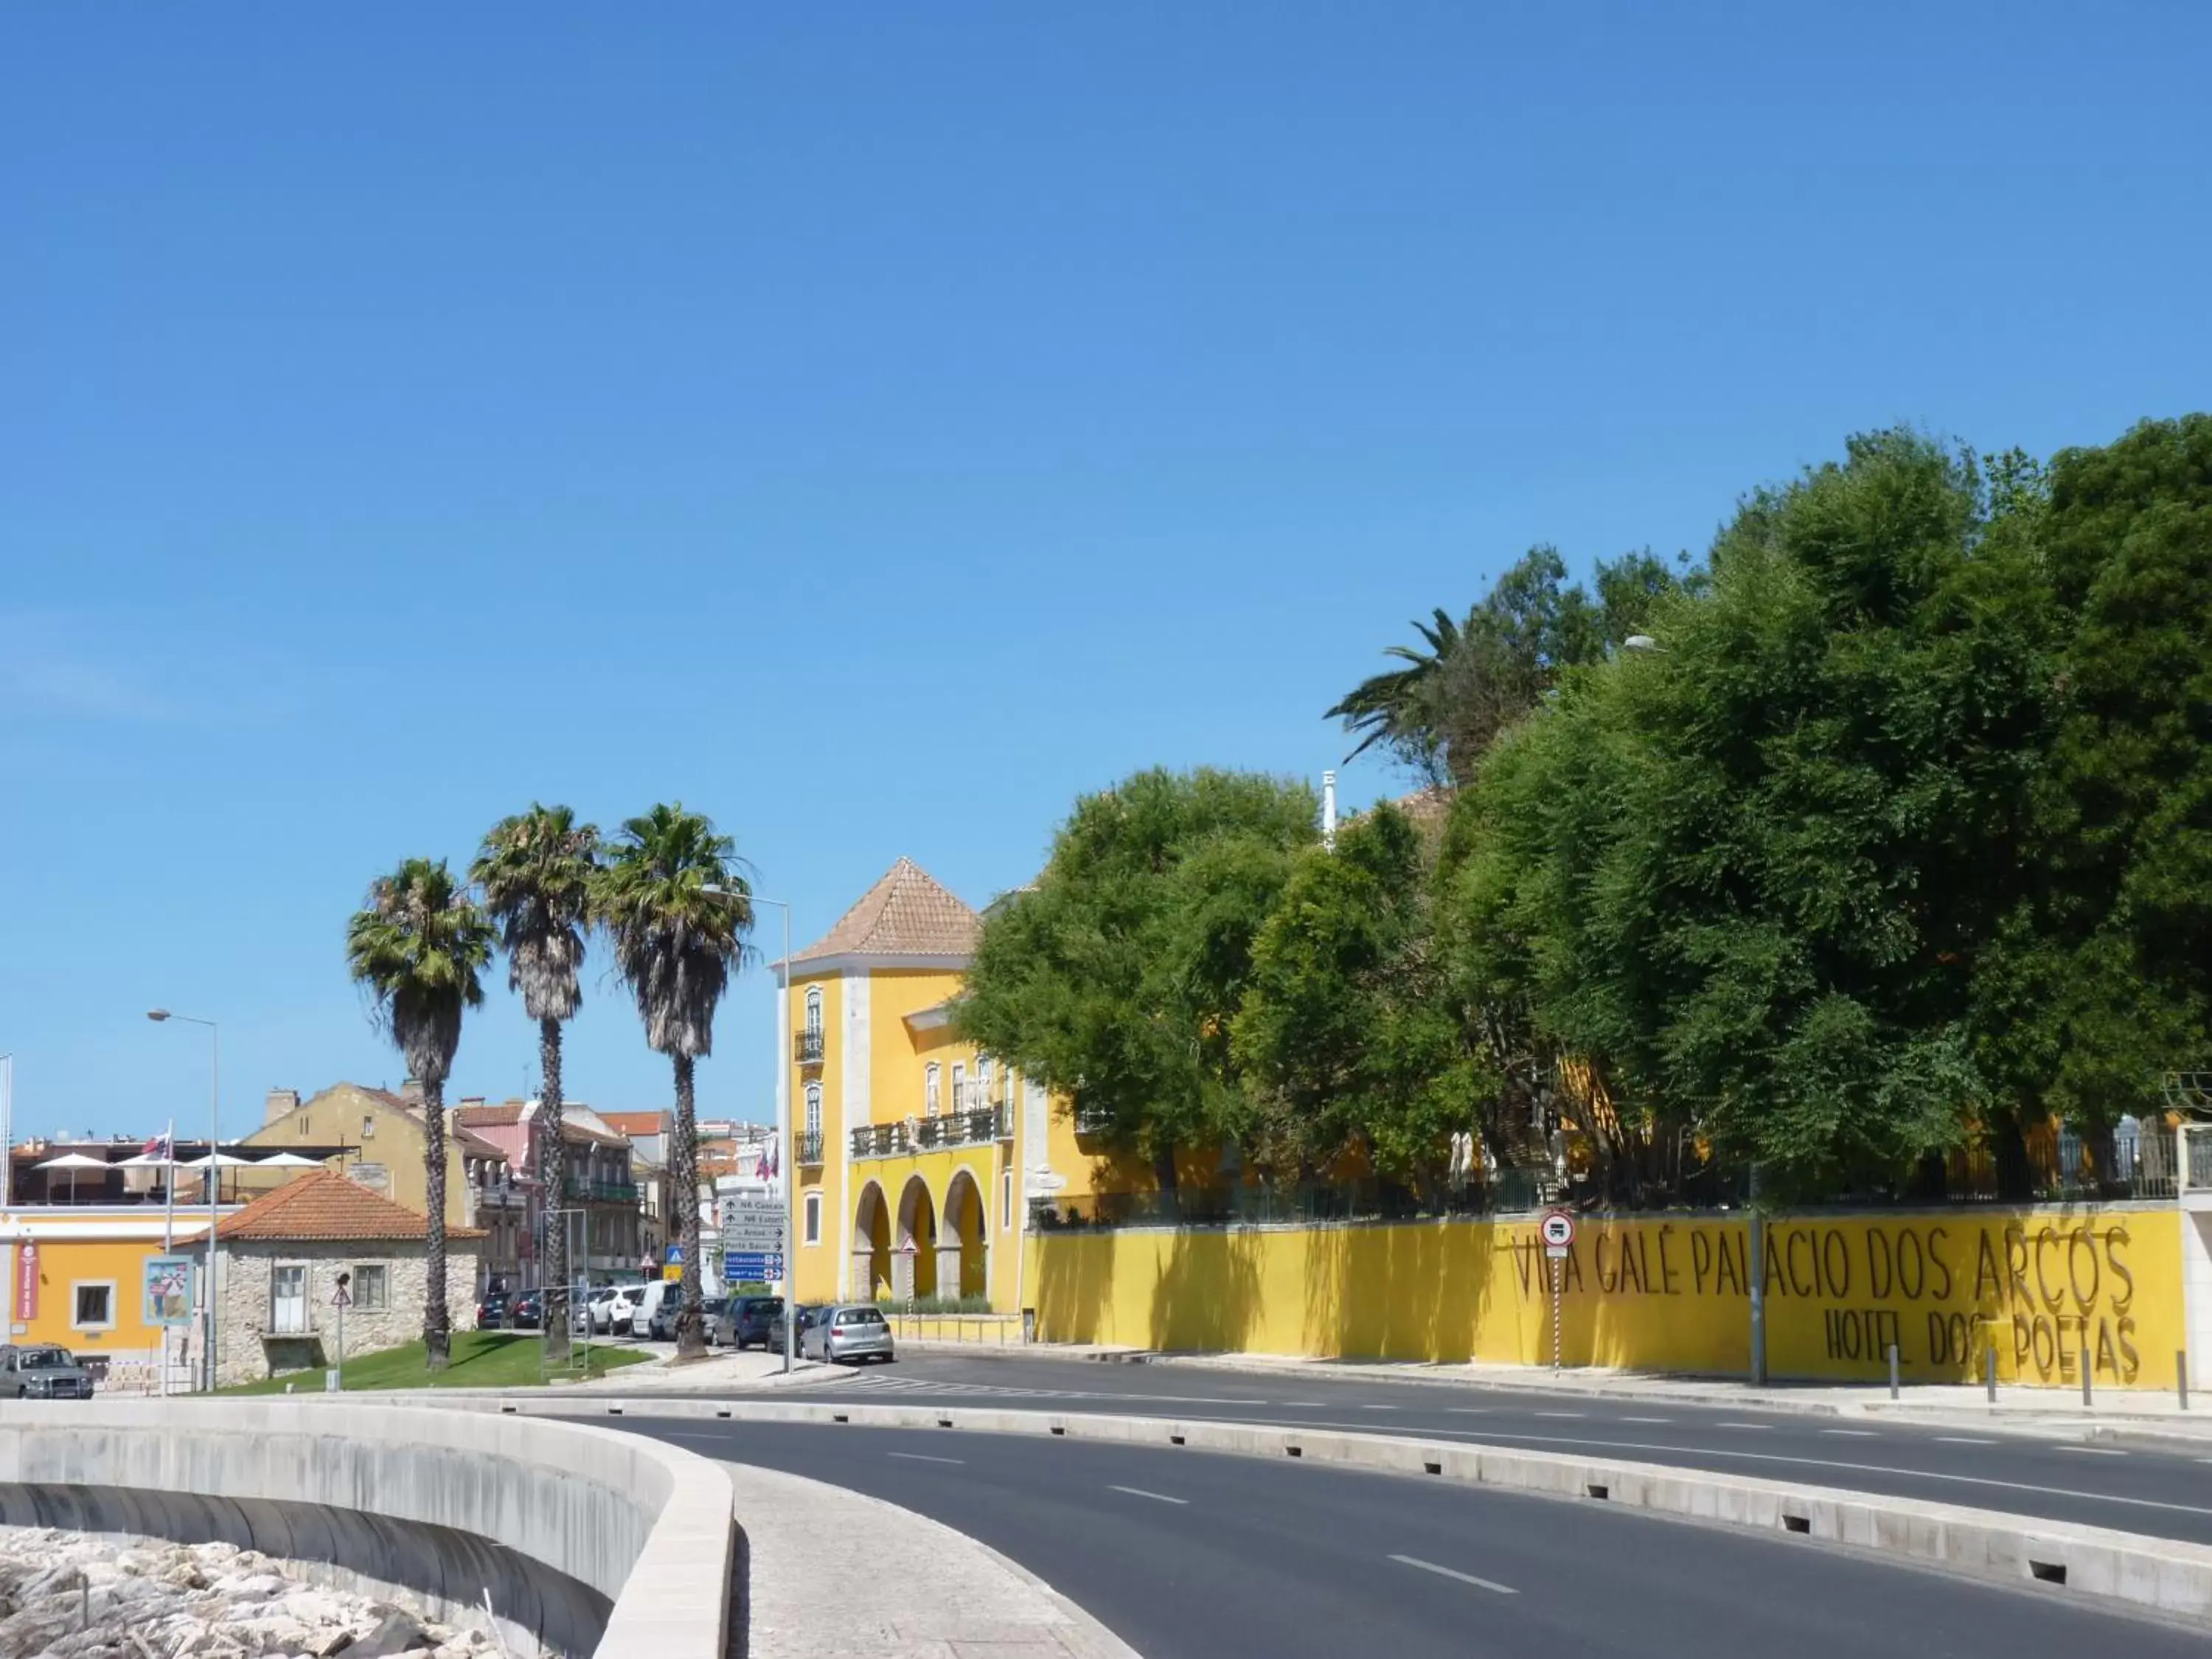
column 855, row 1331
column 43, row 1373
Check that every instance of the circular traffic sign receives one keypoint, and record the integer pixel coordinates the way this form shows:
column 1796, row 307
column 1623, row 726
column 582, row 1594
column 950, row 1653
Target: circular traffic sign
column 1558, row 1228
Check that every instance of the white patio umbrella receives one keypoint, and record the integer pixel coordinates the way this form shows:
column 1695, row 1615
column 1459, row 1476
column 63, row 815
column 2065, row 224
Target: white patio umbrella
column 72, row 1162
column 223, row 1160
column 288, row 1161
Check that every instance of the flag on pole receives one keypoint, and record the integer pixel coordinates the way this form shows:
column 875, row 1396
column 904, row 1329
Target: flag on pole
column 161, row 1146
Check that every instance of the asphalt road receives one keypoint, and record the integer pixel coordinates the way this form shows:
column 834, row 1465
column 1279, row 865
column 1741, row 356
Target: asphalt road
column 1192, row 1556
column 2135, row 1489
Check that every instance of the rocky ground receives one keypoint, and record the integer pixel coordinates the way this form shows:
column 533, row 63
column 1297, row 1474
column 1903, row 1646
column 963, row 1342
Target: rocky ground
column 75, row 1596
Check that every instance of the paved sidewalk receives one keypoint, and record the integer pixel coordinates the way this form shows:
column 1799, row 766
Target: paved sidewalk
column 831, row 1574
column 2135, row 1413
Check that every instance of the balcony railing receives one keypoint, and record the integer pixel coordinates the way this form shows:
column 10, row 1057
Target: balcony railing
column 931, row 1134
column 606, row 1192
column 810, row 1147
column 806, row 1046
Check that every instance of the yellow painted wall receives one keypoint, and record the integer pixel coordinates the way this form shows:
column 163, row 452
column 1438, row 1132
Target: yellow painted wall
column 816, row 1271
column 64, row 1262
column 1659, row 1294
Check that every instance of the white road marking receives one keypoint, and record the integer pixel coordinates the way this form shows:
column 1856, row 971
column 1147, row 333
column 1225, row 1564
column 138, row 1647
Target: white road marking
column 1743, row 1425
column 1647, row 1419
column 2095, row 1451
column 1963, row 1440
column 1364, row 1408
column 1852, row 1434
column 1453, row 1572
column 1156, row 1497
column 924, row 1457
column 1484, row 1410
column 1573, row 1414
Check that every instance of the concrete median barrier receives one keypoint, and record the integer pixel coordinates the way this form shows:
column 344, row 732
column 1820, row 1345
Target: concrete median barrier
column 2097, row 1563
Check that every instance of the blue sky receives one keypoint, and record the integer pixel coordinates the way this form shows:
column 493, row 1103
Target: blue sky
column 874, row 425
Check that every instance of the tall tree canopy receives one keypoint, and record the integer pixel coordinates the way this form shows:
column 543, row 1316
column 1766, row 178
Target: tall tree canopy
column 1115, row 981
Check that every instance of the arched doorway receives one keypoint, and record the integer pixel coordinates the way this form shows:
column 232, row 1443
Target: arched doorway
column 963, row 1260
column 871, row 1245
column 914, row 1268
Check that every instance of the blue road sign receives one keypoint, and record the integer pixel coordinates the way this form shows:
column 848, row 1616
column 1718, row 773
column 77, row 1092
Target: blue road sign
column 752, row 1267
column 675, row 1255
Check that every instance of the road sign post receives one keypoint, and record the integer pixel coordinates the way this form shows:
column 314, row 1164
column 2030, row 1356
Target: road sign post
column 342, row 1300
column 1557, row 1229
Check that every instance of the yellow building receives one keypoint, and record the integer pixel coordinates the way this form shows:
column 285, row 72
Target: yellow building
column 915, row 1157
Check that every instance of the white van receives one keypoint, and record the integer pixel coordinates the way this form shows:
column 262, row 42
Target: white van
column 655, row 1313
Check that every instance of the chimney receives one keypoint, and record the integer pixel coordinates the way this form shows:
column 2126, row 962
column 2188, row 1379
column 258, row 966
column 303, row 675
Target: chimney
column 282, row 1103
column 411, row 1091
column 1328, row 810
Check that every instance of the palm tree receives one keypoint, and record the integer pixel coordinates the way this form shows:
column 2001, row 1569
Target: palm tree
column 418, row 945
column 535, row 871
column 1398, row 707
column 676, row 909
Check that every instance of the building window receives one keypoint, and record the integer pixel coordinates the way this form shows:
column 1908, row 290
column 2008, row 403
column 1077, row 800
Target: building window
column 1006, row 1198
column 813, row 1111
column 929, row 1098
column 982, row 1080
column 814, row 1011
column 95, row 1309
column 369, row 1291
column 287, row 1299
column 814, row 1217
column 367, row 1130
column 959, row 1087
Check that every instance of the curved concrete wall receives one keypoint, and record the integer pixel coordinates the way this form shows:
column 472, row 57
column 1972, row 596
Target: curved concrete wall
column 642, row 1531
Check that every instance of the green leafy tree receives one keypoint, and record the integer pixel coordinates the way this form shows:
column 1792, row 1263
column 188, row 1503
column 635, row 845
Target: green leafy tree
column 1116, row 982
column 2103, row 978
column 418, row 947
column 1750, row 875
column 676, row 906
column 535, row 870
column 1346, row 1038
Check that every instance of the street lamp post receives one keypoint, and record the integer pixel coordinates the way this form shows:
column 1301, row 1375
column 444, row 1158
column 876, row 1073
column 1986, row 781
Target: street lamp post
column 786, row 1148
column 215, row 1166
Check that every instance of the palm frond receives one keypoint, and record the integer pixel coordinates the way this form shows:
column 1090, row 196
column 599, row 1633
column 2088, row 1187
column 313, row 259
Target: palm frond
column 418, row 946
column 535, row 871
column 676, row 902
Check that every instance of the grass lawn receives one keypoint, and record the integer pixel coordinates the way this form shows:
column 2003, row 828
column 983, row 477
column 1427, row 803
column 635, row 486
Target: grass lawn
column 480, row 1359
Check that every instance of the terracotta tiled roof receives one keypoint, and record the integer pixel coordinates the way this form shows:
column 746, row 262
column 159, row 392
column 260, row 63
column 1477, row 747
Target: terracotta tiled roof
column 632, row 1123
column 906, row 914
column 489, row 1117
column 326, row 1207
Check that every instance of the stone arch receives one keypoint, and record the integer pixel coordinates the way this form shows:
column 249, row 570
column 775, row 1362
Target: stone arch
column 964, row 1258
column 914, row 1265
column 872, row 1244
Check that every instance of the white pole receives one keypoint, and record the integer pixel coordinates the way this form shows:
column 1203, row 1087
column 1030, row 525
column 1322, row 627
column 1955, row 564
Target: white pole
column 1328, row 810
column 784, row 1152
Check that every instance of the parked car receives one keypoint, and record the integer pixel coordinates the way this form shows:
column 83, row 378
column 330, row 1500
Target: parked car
column 43, row 1373
column 526, row 1312
column 657, row 1309
column 716, row 1311
column 622, row 1309
column 752, row 1317
column 853, row 1331
column 807, row 1314
column 597, row 1306
column 492, row 1311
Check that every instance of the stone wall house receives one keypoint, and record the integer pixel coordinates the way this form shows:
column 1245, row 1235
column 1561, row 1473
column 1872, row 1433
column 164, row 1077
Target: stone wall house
column 278, row 1261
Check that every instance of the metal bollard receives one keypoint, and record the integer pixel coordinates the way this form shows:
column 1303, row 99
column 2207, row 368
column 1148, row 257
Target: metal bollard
column 2181, row 1375
column 2085, row 1373
column 1892, row 1371
column 1989, row 1370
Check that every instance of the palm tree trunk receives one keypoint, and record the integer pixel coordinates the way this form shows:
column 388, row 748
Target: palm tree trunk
column 552, row 1174
column 683, row 1183
column 437, row 1323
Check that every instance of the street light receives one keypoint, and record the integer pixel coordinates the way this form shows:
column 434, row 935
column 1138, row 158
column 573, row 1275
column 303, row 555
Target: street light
column 161, row 1016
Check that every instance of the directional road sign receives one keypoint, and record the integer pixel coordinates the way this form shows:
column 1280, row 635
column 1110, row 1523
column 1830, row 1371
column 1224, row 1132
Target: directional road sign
column 752, row 1268
column 751, row 1221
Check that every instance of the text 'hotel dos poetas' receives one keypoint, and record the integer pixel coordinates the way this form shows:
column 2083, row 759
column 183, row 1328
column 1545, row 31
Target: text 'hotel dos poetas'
column 2052, row 1289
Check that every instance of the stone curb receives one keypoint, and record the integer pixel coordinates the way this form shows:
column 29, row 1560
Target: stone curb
column 2097, row 1563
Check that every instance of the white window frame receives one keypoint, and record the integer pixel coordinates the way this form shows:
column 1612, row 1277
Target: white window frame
column 931, row 1086
column 982, row 1080
column 1006, row 1199
column 307, row 1325
column 383, row 1302
column 959, row 1086
column 813, row 1234
column 77, row 1284
column 814, row 1011
column 814, row 1109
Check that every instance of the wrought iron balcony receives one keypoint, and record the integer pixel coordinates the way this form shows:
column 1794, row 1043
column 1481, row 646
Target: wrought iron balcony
column 931, row 1134
column 810, row 1147
column 806, row 1046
